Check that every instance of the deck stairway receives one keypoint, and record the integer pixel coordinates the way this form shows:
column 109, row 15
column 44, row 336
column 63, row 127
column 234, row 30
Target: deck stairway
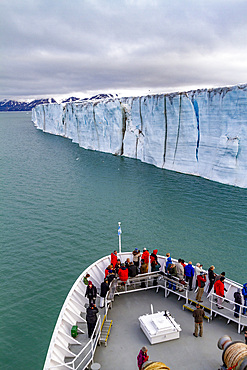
column 105, row 330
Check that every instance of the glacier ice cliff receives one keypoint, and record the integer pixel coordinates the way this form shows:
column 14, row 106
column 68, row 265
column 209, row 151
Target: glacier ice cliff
column 200, row 132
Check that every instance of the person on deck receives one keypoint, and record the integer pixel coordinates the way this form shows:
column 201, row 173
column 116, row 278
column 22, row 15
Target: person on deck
column 198, row 315
column 155, row 266
column 91, row 293
column 136, row 257
column 143, row 270
column 245, row 336
column 189, row 273
column 180, row 273
column 217, row 277
column 127, row 263
column 201, row 279
column 168, row 261
column 244, row 292
column 172, row 273
column 114, row 259
column 153, row 256
column 118, row 265
column 104, row 287
column 144, row 267
column 110, row 273
column 145, row 256
column 220, row 290
column 123, row 274
column 85, row 279
column 133, row 270
column 238, row 301
column 198, row 270
column 211, row 278
column 91, row 318
column 142, row 357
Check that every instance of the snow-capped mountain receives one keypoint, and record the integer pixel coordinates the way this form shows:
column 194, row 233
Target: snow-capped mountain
column 19, row 105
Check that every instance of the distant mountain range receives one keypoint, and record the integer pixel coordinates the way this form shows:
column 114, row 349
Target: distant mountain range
column 18, row 105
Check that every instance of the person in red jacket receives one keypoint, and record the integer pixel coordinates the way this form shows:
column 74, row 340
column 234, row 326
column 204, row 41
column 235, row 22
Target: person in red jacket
column 123, row 274
column 219, row 289
column 114, row 259
column 145, row 256
column 142, row 357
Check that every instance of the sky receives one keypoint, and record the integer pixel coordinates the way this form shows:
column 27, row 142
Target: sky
column 125, row 47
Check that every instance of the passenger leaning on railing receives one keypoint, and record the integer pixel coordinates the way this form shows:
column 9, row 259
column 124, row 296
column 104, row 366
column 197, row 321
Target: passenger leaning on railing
column 180, row 273
column 238, row 301
column 133, row 270
column 136, row 257
column 145, row 256
column 244, row 292
column 172, row 272
column 189, row 273
column 220, row 291
column 155, row 266
column 153, row 256
column 123, row 274
column 143, row 270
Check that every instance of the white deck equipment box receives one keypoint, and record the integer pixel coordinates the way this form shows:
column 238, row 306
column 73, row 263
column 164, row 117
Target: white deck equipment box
column 159, row 327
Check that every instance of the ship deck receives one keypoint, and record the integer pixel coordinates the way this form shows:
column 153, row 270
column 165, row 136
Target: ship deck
column 126, row 337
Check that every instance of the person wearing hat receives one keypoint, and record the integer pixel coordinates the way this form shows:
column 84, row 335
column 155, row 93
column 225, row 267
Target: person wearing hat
column 136, row 257
column 91, row 318
column 145, row 256
column 142, row 357
column 201, row 279
column 91, row 293
column 85, row 279
column 123, row 274
column 198, row 270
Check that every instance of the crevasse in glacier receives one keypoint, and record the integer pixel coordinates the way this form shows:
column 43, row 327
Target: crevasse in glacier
column 199, row 132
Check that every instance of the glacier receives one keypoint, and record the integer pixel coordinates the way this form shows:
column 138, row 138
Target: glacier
column 199, row 132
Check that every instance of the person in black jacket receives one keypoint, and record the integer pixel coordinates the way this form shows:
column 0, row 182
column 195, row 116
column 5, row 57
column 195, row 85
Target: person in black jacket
column 91, row 293
column 238, row 301
column 133, row 270
column 211, row 278
column 103, row 291
column 91, row 318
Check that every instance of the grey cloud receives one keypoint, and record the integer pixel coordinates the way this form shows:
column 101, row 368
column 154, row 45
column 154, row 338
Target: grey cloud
column 52, row 47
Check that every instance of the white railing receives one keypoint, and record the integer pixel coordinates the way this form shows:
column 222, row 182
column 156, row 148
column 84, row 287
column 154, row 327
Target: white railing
column 97, row 271
column 228, row 312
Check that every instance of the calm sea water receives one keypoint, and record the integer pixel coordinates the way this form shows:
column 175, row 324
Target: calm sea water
column 60, row 205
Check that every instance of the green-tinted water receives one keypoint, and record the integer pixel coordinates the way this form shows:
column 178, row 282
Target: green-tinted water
column 60, row 206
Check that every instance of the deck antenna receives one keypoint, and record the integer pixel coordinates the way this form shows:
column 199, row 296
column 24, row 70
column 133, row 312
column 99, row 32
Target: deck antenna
column 119, row 236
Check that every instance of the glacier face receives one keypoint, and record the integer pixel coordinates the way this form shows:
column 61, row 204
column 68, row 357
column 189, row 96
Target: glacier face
column 199, row 132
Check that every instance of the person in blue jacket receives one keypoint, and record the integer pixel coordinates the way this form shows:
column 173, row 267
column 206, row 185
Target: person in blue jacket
column 189, row 273
column 244, row 292
column 168, row 261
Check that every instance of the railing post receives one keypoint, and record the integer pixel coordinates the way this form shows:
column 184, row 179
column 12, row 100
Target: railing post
column 119, row 237
column 211, row 306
